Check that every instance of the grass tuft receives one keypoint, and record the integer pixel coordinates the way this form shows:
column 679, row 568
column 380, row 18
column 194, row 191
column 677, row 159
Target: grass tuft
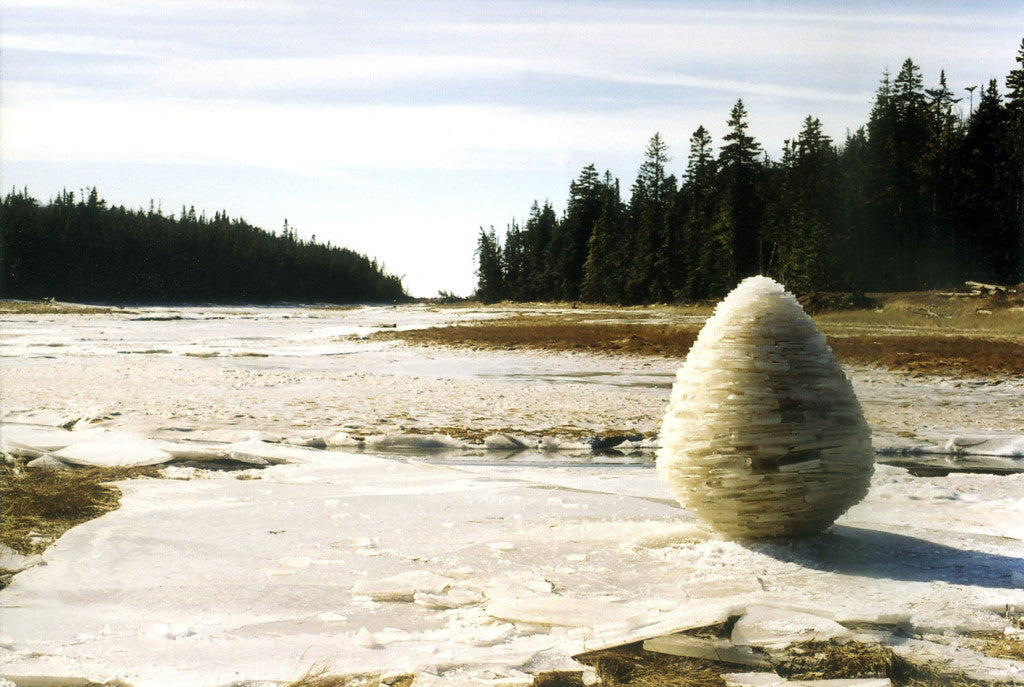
column 1001, row 645
column 40, row 505
column 631, row 665
column 828, row 660
column 321, row 676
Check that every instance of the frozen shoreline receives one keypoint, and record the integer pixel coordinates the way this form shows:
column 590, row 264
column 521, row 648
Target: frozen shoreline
column 241, row 373
column 367, row 558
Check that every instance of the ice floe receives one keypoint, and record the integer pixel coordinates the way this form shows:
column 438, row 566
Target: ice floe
column 113, row 449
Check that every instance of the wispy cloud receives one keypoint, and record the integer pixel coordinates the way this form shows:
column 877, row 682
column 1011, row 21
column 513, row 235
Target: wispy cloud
column 358, row 94
column 48, row 123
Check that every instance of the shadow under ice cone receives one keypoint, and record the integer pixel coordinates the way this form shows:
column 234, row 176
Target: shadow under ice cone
column 764, row 436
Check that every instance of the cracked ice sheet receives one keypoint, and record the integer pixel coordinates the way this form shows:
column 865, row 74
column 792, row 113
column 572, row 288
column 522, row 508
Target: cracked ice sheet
column 293, row 371
column 215, row 580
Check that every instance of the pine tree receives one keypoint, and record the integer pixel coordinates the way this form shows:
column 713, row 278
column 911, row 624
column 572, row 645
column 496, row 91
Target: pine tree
column 704, row 259
column 1015, row 85
column 89, row 251
column 990, row 183
column 647, row 270
column 898, row 133
column 489, row 278
column 540, row 232
column 938, row 165
column 801, row 214
column 742, row 201
column 604, row 268
column 1015, row 106
column 515, row 267
column 701, row 162
column 581, row 214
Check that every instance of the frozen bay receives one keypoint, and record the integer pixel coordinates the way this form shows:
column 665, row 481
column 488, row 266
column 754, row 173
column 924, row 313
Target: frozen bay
column 488, row 567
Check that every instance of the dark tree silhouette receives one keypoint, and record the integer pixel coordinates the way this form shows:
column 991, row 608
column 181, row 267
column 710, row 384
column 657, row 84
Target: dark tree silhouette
column 83, row 250
column 922, row 196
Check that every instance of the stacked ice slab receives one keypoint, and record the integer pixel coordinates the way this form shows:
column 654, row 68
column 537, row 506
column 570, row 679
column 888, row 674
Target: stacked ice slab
column 764, row 436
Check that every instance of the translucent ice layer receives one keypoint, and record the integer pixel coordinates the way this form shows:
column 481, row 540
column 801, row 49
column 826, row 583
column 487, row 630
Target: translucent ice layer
column 764, row 436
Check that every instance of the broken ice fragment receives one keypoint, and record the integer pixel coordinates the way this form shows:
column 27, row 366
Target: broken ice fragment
column 752, row 679
column 112, row 450
column 366, row 639
column 763, row 436
column 560, row 610
column 453, row 598
column 776, row 628
column 47, row 462
column 402, row 587
column 12, row 561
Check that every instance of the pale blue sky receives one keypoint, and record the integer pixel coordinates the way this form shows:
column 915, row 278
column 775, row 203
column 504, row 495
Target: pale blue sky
column 399, row 128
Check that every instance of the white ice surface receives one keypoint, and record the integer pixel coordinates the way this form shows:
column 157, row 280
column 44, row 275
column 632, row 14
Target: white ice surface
column 208, row 579
column 287, row 373
column 215, row 579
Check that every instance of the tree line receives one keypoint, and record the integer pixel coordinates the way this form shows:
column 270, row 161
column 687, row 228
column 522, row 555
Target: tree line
column 81, row 249
column 919, row 197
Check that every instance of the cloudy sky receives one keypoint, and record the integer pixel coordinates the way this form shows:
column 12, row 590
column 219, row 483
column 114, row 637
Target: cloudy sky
column 397, row 129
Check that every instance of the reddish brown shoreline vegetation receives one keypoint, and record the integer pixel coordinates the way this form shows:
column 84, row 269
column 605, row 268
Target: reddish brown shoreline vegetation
column 918, row 352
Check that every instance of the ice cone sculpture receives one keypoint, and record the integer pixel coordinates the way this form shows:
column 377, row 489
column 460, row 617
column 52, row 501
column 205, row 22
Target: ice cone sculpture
column 764, row 436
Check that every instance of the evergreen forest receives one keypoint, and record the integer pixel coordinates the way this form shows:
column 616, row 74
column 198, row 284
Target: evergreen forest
column 80, row 249
column 920, row 197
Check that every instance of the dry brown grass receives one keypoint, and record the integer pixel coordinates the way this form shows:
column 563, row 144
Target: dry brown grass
column 827, row 660
column 1005, row 646
column 321, row 676
column 994, row 318
column 546, row 334
column 633, row 666
column 1000, row 645
column 50, row 502
column 932, row 352
column 833, row 660
column 478, row 434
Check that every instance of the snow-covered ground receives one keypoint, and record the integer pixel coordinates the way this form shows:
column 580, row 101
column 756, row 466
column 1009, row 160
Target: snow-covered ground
column 478, row 563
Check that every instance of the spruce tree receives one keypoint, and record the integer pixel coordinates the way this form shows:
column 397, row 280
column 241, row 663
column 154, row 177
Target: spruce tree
column 489, row 277
column 646, row 272
column 605, row 265
column 989, row 218
column 705, row 258
column 540, row 232
column 741, row 194
column 938, row 165
column 581, row 214
column 802, row 211
column 1015, row 85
